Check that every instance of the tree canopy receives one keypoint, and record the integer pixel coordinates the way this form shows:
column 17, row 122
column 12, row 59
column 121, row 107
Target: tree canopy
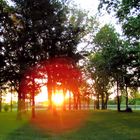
column 43, row 35
column 127, row 11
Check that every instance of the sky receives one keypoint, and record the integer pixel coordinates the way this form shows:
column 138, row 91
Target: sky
column 92, row 7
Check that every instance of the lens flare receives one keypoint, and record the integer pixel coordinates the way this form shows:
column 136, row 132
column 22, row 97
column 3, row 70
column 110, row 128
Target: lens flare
column 58, row 98
column 56, row 82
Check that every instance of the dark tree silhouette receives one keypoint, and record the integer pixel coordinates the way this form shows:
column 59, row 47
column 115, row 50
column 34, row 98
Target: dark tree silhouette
column 33, row 31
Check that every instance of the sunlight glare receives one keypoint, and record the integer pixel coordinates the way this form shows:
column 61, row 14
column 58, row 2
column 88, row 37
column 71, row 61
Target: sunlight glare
column 68, row 94
column 58, row 97
column 43, row 95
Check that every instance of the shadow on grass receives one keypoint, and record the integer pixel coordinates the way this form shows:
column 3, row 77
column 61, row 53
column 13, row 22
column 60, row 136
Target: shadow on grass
column 59, row 122
column 79, row 125
column 27, row 132
column 49, row 126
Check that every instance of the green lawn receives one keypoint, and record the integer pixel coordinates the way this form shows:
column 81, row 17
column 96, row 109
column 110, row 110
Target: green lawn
column 73, row 125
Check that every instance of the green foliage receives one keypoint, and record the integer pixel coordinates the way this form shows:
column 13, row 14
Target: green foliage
column 106, row 60
column 132, row 101
column 131, row 27
column 137, row 101
column 6, row 107
column 128, row 13
column 106, row 37
column 35, row 31
column 114, row 61
column 111, row 102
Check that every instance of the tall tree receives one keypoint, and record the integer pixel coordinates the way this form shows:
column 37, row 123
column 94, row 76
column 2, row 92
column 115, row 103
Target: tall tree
column 34, row 31
column 128, row 14
column 101, row 78
column 108, row 62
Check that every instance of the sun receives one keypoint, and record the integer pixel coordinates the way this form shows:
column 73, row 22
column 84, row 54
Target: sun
column 58, row 97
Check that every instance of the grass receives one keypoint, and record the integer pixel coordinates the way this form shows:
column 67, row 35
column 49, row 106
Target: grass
column 73, row 125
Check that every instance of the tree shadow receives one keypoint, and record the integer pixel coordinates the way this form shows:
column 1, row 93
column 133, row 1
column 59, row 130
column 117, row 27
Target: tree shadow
column 48, row 125
column 59, row 122
column 27, row 132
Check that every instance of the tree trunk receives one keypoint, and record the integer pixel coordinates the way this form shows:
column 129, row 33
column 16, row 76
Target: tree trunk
column 33, row 99
column 69, row 100
column 79, row 101
column 97, row 102
column 106, row 101
column 102, row 97
column 33, row 106
column 50, row 97
column 88, row 102
column 126, row 97
column 74, row 101
column 84, row 102
column 118, row 97
column 64, row 95
column 49, row 87
column 94, row 104
column 11, row 103
column 0, row 102
column 19, row 111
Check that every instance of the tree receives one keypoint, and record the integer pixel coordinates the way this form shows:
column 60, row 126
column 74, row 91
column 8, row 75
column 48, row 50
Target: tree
column 63, row 74
column 101, row 78
column 128, row 13
column 108, row 63
column 35, row 31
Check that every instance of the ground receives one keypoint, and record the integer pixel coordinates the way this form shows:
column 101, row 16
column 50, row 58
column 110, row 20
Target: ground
column 71, row 125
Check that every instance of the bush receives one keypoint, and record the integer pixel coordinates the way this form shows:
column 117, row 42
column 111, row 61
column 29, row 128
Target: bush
column 128, row 109
column 111, row 102
column 6, row 108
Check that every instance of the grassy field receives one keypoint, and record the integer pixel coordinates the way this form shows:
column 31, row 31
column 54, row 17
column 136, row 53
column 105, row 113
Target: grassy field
column 73, row 125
